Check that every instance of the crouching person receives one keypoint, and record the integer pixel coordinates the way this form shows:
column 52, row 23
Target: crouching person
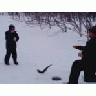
column 88, row 61
column 11, row 38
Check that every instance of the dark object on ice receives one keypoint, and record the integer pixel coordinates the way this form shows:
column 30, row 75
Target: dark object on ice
column 56, row 78
column 44, row 69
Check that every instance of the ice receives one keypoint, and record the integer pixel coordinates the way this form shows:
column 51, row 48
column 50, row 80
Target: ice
column 36, row 49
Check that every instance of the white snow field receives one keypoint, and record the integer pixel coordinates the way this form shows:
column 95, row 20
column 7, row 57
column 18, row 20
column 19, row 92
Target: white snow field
column 37, row 49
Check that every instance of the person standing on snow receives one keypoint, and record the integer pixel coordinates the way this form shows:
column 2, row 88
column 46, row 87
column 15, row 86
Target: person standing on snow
column 88, row 61
column 11, row 38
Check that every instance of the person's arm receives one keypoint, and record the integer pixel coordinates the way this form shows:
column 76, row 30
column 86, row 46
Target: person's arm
column 16, row 38
column 79, row 47
column 7, row 37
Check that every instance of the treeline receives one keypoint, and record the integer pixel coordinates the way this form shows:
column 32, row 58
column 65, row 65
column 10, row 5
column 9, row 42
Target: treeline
column 62, row 15
column 80, row 21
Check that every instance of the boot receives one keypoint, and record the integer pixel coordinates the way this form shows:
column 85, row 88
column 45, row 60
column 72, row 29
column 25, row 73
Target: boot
column 16, row 63
column 6, row 62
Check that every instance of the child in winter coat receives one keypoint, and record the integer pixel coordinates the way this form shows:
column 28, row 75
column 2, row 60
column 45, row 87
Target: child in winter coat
column 11, row 38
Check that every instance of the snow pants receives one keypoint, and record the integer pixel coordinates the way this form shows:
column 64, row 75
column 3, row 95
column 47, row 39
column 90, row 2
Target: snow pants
column 8, row 54
column 77, row 67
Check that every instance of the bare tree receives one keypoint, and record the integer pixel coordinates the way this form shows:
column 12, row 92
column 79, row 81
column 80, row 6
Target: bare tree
column 77, row 20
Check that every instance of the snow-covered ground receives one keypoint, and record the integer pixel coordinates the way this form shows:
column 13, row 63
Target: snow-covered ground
column 37, row 49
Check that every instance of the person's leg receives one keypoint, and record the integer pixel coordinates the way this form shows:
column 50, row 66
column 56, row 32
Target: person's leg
column 89, row 75
column 75, row 71
column 14, row 56
column 7, row 56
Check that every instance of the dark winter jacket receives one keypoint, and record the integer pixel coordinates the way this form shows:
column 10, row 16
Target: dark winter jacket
column 9, row 37
column 89, row 53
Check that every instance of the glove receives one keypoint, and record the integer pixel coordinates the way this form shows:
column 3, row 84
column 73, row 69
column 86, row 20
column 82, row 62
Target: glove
column 75, row 47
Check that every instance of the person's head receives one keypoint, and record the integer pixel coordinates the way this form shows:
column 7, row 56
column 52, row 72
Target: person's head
column 12, row 28
column 92, row 32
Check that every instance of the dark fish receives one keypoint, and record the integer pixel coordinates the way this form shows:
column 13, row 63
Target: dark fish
column 44, row 69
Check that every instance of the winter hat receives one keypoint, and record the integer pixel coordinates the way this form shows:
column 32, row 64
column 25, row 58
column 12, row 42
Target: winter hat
column 93, row 30
column 11, row 27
